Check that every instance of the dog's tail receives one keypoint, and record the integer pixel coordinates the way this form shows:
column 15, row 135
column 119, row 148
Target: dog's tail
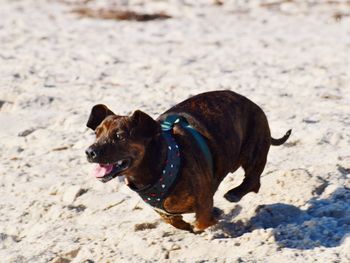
column 282, row 140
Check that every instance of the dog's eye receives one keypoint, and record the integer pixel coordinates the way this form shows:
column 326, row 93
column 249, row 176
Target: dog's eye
column 120, row 136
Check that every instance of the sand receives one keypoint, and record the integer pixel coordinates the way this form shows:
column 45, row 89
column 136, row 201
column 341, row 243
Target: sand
column 292, row 59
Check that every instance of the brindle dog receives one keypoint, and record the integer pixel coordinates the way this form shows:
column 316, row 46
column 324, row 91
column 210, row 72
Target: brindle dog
column 235, row 129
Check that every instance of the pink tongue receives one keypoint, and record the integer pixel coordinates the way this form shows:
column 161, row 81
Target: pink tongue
column 102, row 169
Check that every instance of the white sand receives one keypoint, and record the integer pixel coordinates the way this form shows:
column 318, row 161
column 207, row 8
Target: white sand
column 293, row 61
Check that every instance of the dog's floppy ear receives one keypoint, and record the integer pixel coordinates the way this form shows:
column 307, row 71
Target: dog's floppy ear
column 143, row 125
column 98, row 113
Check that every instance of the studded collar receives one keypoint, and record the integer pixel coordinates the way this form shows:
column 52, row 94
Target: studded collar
column 154, row 195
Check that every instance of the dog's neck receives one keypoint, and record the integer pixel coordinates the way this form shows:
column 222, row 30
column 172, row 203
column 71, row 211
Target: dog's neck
column 149, row 170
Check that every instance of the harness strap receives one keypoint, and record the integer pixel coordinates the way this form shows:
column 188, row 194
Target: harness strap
column 169, row 123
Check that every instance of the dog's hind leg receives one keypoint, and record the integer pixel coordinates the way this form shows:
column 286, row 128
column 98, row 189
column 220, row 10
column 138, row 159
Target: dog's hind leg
column 253, row 168
column 251, row 183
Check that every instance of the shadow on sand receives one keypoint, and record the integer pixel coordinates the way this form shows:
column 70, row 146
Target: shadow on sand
column 324, row 223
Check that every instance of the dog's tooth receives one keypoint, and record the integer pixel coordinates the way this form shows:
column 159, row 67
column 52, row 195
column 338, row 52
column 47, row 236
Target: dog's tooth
column 120, row 162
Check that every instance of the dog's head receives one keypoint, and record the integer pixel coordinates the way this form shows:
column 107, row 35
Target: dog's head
column 120, row 142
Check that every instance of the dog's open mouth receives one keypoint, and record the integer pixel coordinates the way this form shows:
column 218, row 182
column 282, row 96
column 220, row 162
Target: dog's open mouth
column 106, row 172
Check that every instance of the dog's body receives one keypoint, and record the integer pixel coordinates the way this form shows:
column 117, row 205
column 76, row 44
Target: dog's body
column 235, row 129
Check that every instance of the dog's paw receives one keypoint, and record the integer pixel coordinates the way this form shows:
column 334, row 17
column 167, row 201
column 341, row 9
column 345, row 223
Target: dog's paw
column 200, row 226
column 232, row 197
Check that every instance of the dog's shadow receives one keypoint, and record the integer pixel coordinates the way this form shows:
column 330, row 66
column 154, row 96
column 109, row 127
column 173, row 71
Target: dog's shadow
column 324, row 223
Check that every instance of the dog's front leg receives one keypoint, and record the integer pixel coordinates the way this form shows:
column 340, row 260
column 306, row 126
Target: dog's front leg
column 176, row 221
column 204, row 215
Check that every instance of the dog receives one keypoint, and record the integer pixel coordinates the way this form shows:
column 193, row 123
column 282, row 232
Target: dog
column 177, row 161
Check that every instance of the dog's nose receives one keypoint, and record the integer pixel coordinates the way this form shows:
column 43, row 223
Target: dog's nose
column 90, row 153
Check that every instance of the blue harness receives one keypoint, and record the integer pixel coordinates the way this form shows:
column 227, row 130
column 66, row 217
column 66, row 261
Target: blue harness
column 155, row 195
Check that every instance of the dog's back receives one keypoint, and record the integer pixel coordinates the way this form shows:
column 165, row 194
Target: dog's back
column 228, row 121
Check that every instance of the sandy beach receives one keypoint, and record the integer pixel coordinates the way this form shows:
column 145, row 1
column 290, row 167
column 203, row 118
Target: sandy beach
column 291, row 58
